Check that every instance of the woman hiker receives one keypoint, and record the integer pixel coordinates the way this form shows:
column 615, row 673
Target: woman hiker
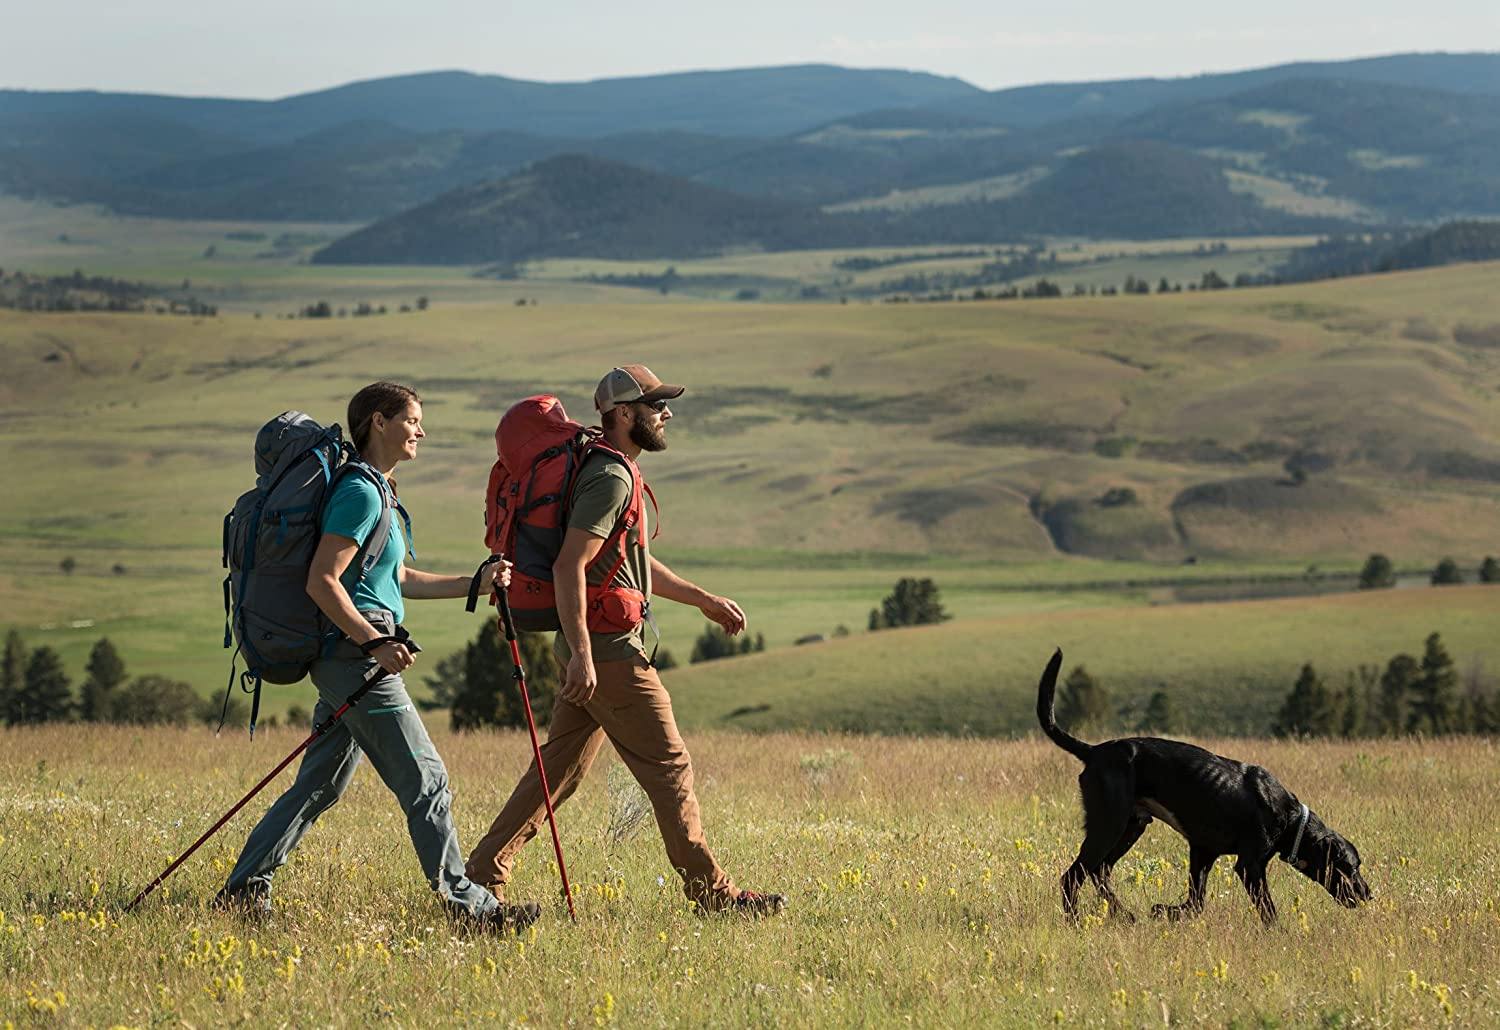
column 385, row 425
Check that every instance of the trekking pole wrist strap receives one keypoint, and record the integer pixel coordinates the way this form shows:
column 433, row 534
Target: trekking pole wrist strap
column 473, row 599
column 400, row 637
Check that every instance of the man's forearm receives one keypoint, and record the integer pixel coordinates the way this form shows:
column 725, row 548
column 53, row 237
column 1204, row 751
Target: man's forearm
column 666, row 583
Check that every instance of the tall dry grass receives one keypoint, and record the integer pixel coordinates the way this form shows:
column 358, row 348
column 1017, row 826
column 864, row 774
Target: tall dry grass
column 922, row 876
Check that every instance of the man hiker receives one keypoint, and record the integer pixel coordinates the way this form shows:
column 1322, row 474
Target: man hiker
column 609, row 686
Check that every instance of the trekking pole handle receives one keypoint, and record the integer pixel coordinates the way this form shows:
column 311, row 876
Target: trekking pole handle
column 507, row 621
column 474, row 583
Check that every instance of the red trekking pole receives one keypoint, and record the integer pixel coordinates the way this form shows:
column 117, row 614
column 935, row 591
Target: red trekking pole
column 536, row 747
column 376, row 673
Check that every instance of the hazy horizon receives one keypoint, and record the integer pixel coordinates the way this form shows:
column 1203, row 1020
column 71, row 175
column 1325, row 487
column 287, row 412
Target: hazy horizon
column 281, row 48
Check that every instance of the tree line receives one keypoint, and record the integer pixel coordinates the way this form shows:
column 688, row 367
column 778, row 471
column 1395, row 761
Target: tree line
column 35, row 688
column 1409, row 695
column 1378, row 573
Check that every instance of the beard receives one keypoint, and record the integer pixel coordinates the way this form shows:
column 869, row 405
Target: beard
column 648, row 437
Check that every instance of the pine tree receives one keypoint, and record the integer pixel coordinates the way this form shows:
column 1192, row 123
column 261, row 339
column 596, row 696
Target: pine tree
column 12, row 676
column 105, row 671
column 1307, row 710
column 1396, row 683
column 1083, row 703
column 488, row 695
column 45, row 694
column 1159, row 716
column 1349, row 714
column 1433, row 692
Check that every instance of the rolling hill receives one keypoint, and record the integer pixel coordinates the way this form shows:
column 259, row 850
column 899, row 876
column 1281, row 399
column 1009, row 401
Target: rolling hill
column 743, row 102
column 576, row 205
column 1016, row 451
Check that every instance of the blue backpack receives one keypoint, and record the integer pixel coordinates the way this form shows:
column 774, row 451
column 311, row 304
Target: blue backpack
column 269, row 540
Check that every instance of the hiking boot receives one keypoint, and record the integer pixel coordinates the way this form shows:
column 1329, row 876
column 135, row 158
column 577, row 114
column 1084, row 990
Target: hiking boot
column 755, row 905
column 249, row 901
column 509, row 918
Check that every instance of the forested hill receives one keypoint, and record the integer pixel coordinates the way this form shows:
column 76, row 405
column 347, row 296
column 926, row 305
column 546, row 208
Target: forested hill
column 1364, row 253
column 576, row 205
column 738, row 102
column 901, row 158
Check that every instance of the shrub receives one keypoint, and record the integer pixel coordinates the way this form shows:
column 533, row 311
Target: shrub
column 913, row 602
column 151, row 699
column 713, row 643
column 1446, row 573
column 1083, row 703
column 1159, row 717
column 1377, row 574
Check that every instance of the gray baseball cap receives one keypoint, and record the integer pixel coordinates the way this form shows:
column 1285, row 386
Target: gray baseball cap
column 629, row 383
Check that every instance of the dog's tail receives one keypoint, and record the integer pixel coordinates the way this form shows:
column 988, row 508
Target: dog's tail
column 1045, row 692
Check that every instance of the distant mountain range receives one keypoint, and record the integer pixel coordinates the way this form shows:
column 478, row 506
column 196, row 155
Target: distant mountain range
column 874, row 156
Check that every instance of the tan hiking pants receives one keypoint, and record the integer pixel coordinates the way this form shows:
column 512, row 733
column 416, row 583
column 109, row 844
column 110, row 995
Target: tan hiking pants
column 633, row 709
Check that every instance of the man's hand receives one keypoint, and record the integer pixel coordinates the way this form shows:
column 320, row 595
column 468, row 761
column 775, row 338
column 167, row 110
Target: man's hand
column 579, row 681
column 393, row 657
column 724, row 612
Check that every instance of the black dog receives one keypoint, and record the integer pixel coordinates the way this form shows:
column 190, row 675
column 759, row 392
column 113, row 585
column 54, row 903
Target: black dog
column 1221, row 806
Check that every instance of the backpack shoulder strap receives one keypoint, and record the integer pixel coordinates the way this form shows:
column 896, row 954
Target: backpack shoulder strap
column 633, row 512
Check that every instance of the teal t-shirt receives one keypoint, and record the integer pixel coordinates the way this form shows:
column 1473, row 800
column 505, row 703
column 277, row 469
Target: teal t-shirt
column 352, row 511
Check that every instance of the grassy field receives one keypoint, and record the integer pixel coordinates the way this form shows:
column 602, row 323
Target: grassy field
column 821, row 452
column 922, row 877
column 1226, row 667
column 250, row 267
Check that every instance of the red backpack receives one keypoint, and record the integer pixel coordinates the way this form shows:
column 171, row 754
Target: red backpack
column 541, row 452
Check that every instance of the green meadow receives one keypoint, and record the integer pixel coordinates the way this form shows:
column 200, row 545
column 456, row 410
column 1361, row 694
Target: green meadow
column 922, row 877
column 821, row 452
column 1250, row 443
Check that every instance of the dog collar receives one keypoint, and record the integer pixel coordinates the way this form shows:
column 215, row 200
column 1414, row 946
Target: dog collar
column 1291, row 855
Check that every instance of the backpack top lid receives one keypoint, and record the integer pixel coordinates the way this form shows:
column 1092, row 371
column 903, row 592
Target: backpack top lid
column 284, row 439
column 529, row 428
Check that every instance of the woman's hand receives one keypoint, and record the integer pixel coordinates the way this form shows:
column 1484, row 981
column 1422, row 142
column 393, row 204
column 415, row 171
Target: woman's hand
column 393, row 657
column 497, row 572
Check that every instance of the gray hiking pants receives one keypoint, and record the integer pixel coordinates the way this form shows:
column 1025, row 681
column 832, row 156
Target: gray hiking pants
column 384, row 725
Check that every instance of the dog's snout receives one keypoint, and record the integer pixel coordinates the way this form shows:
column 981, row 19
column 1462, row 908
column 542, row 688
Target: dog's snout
column 1352, row 891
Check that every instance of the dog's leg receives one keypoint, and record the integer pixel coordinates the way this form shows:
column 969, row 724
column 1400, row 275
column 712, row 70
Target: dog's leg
column 1199, row 864
column 1253, row 875
column 1107, row 815
column 1101, row 878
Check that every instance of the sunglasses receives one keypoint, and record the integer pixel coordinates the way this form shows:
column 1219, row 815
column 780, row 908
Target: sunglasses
column 656, row 406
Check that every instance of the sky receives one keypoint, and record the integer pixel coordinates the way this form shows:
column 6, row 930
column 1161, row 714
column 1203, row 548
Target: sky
column 275, row 48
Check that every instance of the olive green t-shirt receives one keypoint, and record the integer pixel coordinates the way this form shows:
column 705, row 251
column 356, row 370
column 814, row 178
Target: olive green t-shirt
column 600, row 497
